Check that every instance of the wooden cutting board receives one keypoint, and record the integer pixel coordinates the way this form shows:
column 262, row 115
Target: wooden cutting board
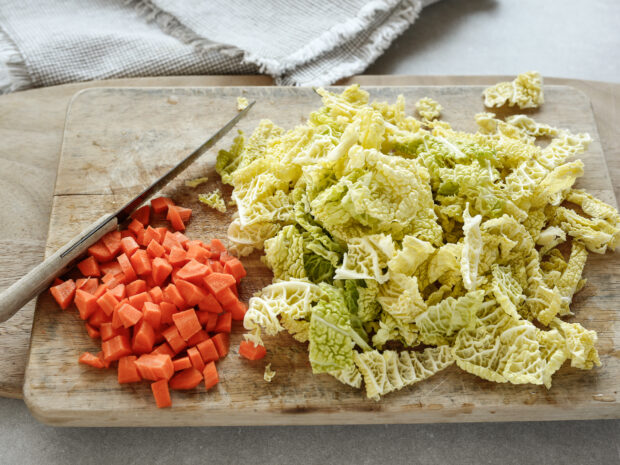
column 117, row 140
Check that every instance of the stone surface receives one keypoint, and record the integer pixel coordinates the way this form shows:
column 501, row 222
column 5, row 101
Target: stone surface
column 23, row 440
column 563, row 38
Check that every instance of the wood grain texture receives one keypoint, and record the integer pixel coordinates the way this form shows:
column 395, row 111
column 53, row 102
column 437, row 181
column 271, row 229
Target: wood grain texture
column 103, row 164
column 31, row 125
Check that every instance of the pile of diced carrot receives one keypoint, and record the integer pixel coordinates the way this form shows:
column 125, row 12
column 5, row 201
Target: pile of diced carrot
column 161, row 304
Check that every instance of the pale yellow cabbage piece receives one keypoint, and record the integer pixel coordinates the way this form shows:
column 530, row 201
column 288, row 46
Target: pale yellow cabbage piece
column 580, row 344
column 387, row 371
column 525, row 92
column 269, row 373
column 242, row 103
column 214, row 200
column 428, row 108
column 367, row 258
column 196, row 182
column 472, row 250
column 439, row 324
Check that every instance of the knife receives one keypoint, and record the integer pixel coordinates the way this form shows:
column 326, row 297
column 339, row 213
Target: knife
column 38, row 279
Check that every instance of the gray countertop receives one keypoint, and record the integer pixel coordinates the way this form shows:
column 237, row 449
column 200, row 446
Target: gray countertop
column 565, row 38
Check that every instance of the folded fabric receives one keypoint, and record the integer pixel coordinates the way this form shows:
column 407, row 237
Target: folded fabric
column 312, row 42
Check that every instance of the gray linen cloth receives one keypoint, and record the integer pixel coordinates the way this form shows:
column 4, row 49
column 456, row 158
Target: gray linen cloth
column 311, row 42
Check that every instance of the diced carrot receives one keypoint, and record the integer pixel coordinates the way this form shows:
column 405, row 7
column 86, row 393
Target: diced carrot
column 235, row 268
column 135, row 227
column 175, row 219
column 193, row 271
column 64, row 293
column 161, row 204
column 101, row 289
column 89, row 285
column 187, row 323
column 186, row 379
column 116, row 321
column 142, row 214
column 157, row 295
column 127, row 370
column 110, row 268
column 151, row 234
column 126, row 233
column 203, row 317
column 234, row 291
column 170, row 241
column 92, row 360
column 155, row 366
column 106, row 364
column 216, row 266
column 165, row 349
column 108, row 332
column 155, row 249
column 125, row 266
column 138, row 300
column 143, row 338
column 140, row 238
column 174, row 339
column 217, row 248
column 115, row 348
column 195, row 358
column 107, row 302
column 152, row 314
column 181, row 238
column 119, row 291
column 161, row 270
column 224, row 323
column 167, row 310
column 112, row 280
column 184, row 213
column 162, row 233
column 210, row 304
column 161, row 393
column 89, row 267
column 237, row 310
column 129, row 315
column 226, row 297
column 197, row 253
column 222, row 343
column 57, row 281
column 193, row 242
column 98, row 318
column 112, row 241
column 129, row 245
column 208, row 351
column 210, row 326
column 172, row 295
column 86, row 303
column 181, row 363
column 210, row 375
column 191, row 293
column 226, row 257
column 250, row 351
column 135, row 287
column 217, row 282
column 141, row 262
column 100, row 252
column 92, row 331
column 198, row 338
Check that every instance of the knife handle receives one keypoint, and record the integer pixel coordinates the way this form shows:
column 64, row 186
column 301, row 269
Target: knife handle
column 39, row 278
